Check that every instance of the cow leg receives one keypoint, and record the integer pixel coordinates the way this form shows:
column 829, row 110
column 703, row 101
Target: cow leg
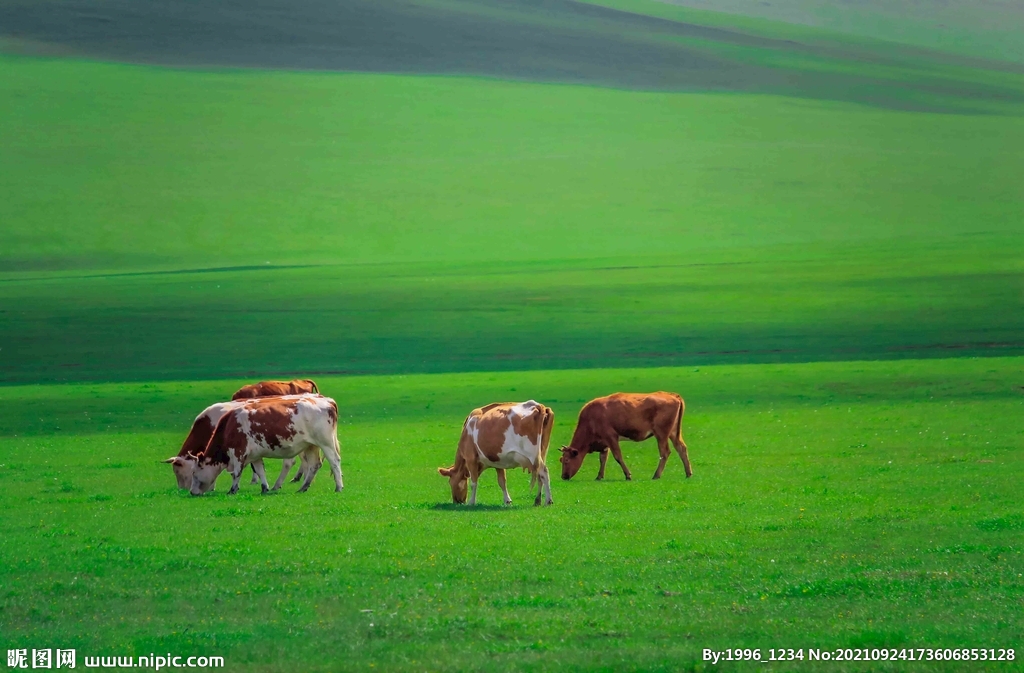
column 235, row 478
column 664, row 452
column 681, row 449
column 262, row 474
column 333, row 454
column 604, row 461
column 255, row 479
column 311, row 462
column 474, row 478
column 613, row 444
column 504, row 485
column 286, row 467
column 543, row 485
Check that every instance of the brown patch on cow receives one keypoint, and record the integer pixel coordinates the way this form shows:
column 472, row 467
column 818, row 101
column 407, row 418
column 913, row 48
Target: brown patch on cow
column 531, row 427
column 216, row 450
column 332, row 413
column 236, row 442
column 276, row 389
column 198, row 436
column 270, row 424
column 490, row 434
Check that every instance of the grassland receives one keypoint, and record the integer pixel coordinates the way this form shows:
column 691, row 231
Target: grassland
column 833, row 504
column 987, row 28
column 630, row 44
column 742, row 211
column 453, row 224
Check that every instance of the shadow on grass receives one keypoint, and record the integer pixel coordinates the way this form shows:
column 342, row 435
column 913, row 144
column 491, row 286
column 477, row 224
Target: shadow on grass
column 452, row 507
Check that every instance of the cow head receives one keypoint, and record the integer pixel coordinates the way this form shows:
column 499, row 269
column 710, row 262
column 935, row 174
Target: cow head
column 205, row 474
column 458, row 478
column 572, row 460
column 183, row 467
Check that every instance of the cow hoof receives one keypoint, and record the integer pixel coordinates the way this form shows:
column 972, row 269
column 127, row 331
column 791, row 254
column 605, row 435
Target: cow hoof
column 657, row 476
column 338, row 489
column 629, row 477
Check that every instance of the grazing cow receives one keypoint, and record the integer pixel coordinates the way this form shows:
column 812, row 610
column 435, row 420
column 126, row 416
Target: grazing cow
column 276, row 388
column 635, row 416
column 502, row 436
column 271, row 427
column 199, row 436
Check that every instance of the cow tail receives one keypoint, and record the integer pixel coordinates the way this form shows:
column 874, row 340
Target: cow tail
column 678, row 426
column 547, row 422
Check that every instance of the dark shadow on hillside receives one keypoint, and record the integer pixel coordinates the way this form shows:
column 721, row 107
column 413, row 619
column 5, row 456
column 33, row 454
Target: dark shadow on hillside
column 539, row 40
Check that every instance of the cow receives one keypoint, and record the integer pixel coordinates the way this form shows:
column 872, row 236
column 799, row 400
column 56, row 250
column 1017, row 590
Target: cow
column 635, row 416
column 199, row 436
column 502, row 435
column 271, row 427
column 275, row 388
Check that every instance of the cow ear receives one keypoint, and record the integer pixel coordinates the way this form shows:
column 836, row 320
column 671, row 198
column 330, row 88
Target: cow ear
column 445, row 471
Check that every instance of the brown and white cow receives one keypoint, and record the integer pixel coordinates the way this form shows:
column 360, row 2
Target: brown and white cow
column 635, row 416
column 199, row 436
column 271, row 427
column 276, row 388
column 503, row 435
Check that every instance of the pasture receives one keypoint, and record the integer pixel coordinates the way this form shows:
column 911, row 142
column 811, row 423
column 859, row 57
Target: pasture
column 814, row 237
column 832, row 504
column 165, row 224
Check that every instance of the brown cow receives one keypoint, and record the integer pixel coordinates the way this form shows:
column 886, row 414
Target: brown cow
column 635, row 416
column 275, row 388
column 503, row 435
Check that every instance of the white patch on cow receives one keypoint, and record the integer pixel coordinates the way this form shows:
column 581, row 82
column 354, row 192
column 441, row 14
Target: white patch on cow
column 474, row 431
column 516, row 450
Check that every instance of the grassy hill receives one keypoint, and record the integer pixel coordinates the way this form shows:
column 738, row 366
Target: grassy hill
column 984, row 28
column 170, row 224
column 636, row 44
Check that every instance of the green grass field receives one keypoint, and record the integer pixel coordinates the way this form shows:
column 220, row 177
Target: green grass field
column 833, row 505
column 179, row 224
column 815, row 237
